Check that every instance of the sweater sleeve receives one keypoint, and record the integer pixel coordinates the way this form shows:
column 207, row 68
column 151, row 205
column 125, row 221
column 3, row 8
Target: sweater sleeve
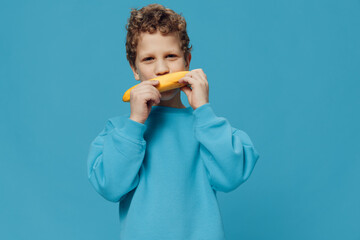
column 228, row 153
column 115, row 158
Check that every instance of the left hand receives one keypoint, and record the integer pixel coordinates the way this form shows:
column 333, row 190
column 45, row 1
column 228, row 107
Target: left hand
column 198, row 92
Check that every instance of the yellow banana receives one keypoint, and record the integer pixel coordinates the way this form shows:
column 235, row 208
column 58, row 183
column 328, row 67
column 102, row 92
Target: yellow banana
column 166, row 82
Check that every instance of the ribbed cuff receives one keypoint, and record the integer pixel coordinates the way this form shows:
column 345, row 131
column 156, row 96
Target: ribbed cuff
column 134, row 130
column 204, row 114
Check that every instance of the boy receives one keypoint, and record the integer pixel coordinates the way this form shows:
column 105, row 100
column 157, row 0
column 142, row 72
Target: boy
column 165, row 162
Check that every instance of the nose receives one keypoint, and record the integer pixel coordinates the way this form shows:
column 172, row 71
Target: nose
column 161, row 68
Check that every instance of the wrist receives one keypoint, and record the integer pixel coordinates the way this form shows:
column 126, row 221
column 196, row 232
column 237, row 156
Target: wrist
column 136, row 120
column 199, row 105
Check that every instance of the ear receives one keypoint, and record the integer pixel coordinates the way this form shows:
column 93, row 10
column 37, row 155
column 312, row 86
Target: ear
column 136, row 74
column 187, row 61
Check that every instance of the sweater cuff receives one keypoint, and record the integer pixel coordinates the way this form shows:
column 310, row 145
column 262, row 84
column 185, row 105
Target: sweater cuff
column 134, row 130
column 204, row 114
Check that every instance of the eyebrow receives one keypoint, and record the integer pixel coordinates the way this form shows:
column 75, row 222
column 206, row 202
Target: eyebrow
column 172, row 51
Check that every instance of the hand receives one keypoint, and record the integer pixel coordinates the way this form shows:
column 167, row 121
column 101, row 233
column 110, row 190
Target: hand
column 142, row 97
column 198, row 92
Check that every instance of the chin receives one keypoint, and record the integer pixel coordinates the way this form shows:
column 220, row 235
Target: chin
column 168, row 95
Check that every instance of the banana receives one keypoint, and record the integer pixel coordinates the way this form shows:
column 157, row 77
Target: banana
column 166, row 82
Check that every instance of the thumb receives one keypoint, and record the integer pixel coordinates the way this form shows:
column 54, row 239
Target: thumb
column 154, row 82
column 186, row 90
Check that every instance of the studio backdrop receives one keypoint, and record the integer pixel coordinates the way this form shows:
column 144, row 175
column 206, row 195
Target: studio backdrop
column 286, row 72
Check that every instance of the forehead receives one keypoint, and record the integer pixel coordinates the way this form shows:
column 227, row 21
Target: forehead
column 152, row 43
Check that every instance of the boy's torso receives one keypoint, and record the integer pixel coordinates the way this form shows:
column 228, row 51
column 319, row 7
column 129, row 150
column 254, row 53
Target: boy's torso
column 173, row 193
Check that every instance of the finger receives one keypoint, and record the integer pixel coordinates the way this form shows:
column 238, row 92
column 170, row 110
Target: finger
column 156, row 93
column 199, row 74
column 145, row 88
column 200, row 71
column 151, row 82
column 151, row 97
column 186, row 90
column 193, row 81
column 187, row 79
column 151, row 90
column 146, row 84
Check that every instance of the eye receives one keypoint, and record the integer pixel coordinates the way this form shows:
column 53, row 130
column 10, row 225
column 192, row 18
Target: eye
column 171, row 56
column 148, row 59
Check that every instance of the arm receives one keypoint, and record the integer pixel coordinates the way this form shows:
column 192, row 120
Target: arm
column 115, row 158
column 228, row 153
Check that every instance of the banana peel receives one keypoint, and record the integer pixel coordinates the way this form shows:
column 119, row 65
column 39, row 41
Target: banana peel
column 166, row 82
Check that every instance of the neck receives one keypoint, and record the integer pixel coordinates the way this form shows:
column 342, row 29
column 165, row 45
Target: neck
column 174, row 102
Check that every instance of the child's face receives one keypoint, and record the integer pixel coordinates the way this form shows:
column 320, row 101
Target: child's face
column 157, row 55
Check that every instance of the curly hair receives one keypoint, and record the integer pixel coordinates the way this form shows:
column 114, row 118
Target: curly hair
column 149, row 19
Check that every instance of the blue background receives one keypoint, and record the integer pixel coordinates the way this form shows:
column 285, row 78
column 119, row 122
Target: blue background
column 286, row 72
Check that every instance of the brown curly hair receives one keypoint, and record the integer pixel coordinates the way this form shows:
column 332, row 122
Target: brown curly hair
column 149, row 19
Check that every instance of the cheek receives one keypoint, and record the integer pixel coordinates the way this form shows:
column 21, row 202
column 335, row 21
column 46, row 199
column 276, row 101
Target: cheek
column 178, row 65
column 145, row 74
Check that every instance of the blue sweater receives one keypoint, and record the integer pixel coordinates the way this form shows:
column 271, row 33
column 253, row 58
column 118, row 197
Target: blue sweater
column 165, row 173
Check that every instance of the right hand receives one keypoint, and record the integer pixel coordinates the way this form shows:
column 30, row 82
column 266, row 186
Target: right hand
column 142, row 97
